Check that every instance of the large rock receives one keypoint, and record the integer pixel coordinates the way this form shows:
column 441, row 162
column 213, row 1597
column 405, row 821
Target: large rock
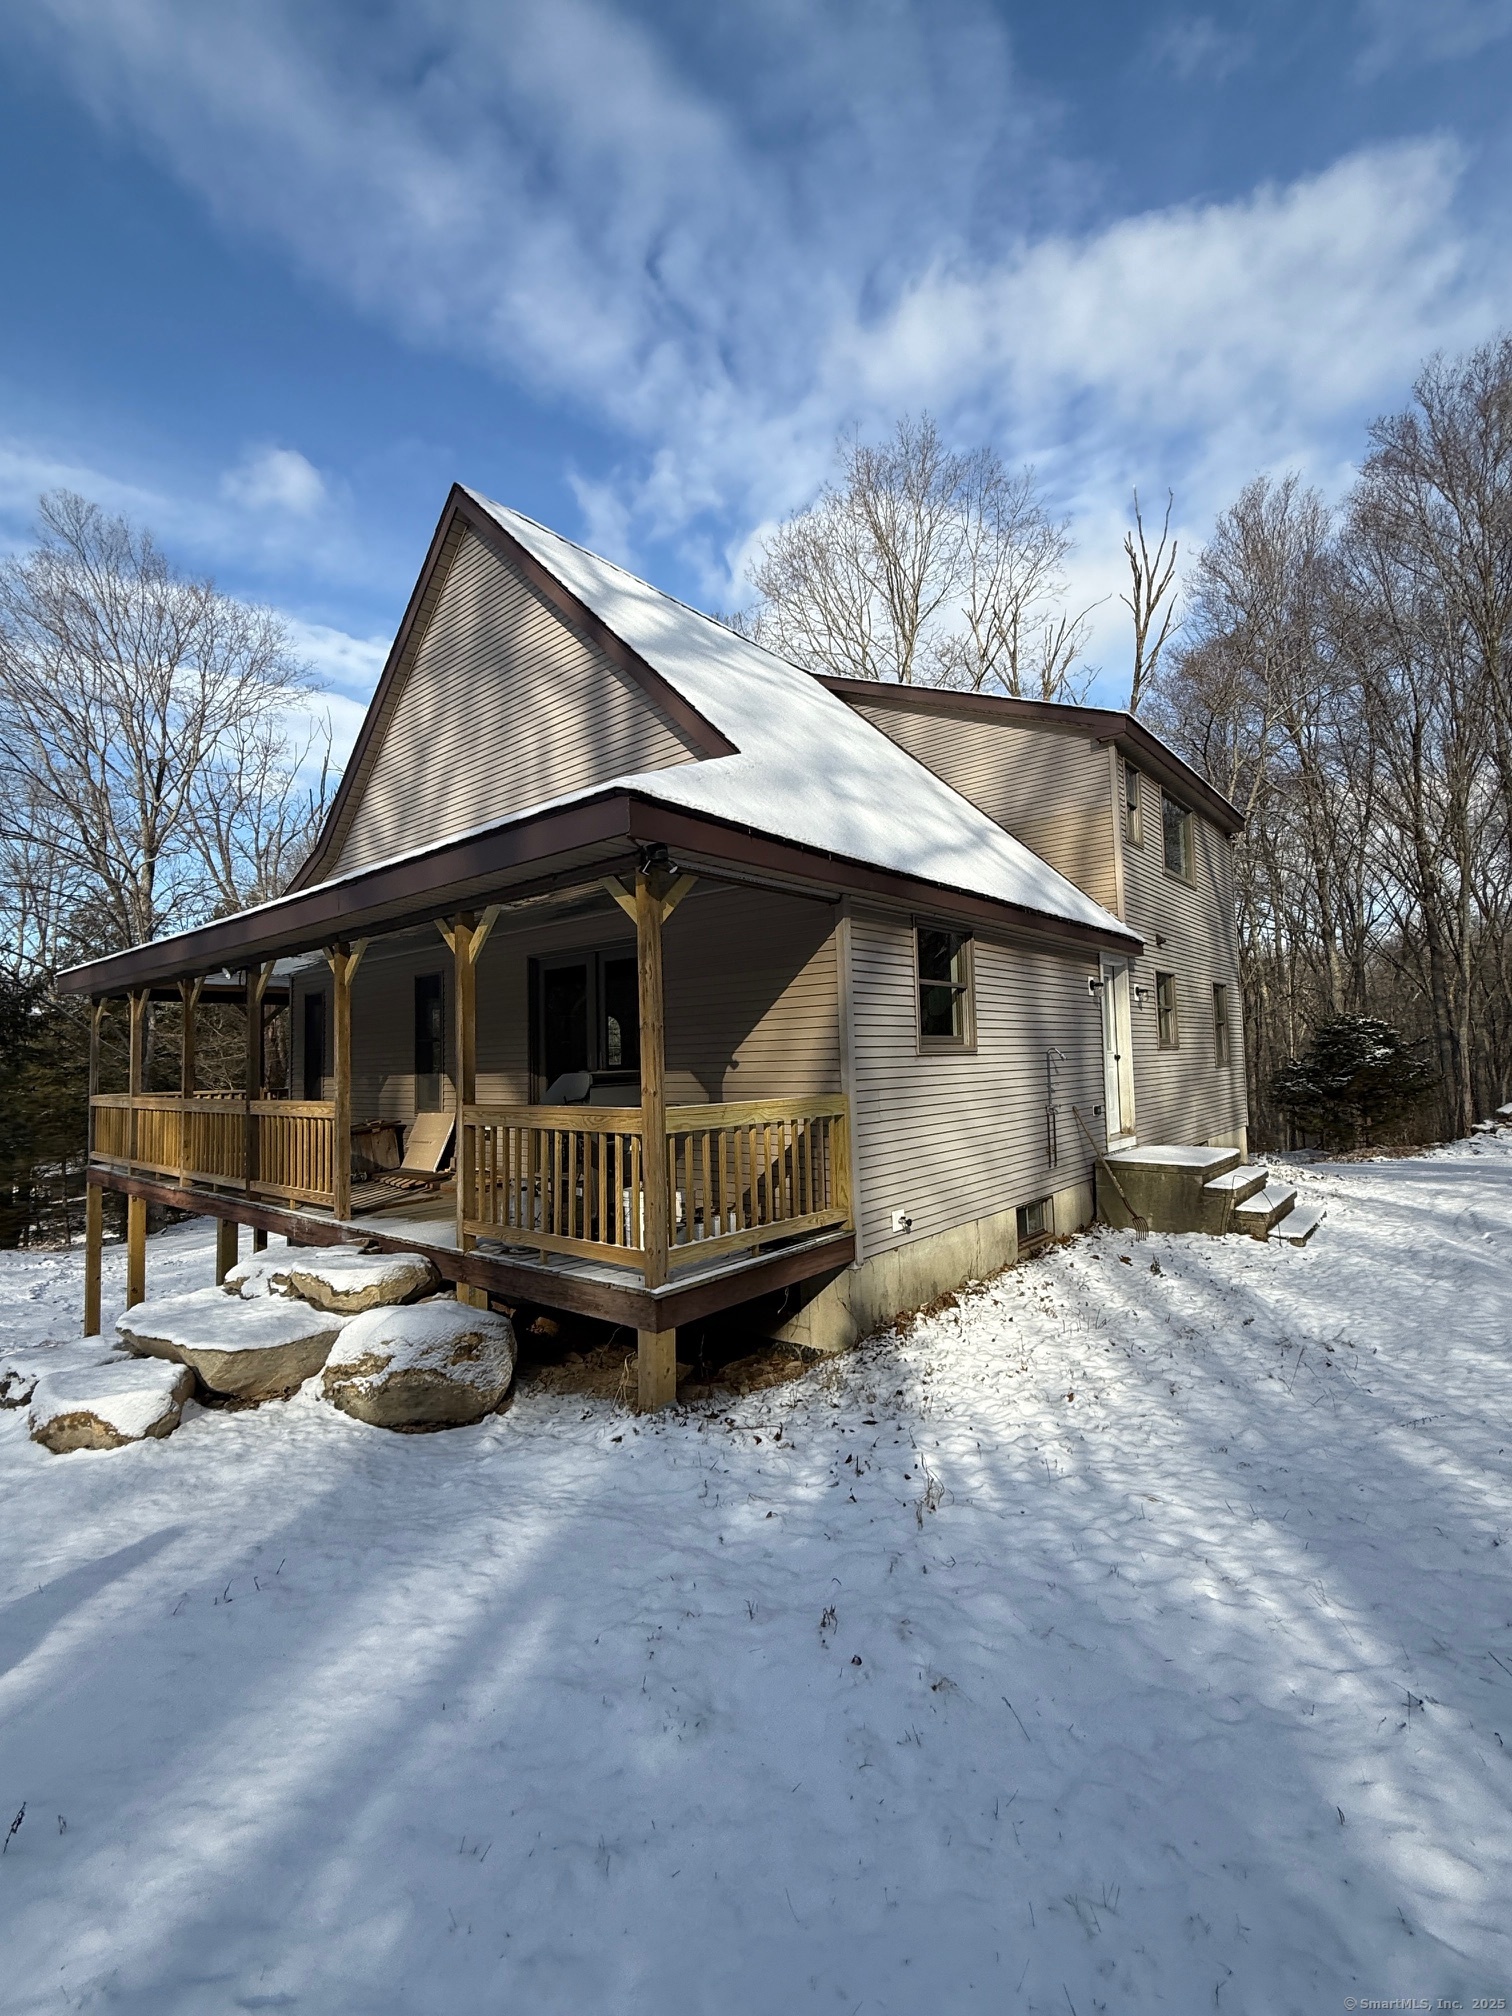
column 22, row 1365
column 105, row 1406
column 245, row 1350
column 259, row 1276
column 432, row 1365
column 348, row 1280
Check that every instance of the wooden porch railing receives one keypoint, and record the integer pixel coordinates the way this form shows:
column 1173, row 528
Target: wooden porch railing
column 570, row 1179
column 206, row 1139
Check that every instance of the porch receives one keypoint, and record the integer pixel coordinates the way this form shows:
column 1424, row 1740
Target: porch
column 648, row 1214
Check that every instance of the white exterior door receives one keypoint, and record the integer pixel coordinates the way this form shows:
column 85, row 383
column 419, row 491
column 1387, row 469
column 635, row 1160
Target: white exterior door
column 1118, row 1050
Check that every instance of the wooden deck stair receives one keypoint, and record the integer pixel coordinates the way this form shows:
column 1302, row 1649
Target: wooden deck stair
column 1187, row 1189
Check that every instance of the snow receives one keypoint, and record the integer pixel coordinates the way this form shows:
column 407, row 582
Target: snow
column 207, row 1319
column 1180, row 1600
column 1173, row 1157
column 422, row 1336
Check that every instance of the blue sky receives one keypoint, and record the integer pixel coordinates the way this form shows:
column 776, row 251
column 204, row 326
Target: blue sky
column 278, row 271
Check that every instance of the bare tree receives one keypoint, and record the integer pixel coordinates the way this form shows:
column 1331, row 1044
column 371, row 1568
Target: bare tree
column 1151, row 597
column 923, row 565
column 143, row 717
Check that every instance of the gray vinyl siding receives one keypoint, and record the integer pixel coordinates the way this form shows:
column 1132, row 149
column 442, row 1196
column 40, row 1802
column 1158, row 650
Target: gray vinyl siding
column 505, row 706
column 950, row 1138
column 752, row 1005
column 1047, row 787
column 1184, row 1095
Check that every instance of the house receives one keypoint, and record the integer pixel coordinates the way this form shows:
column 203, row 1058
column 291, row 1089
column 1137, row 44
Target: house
column 738, row 986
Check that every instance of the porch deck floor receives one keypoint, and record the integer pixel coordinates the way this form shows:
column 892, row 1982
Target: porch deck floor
column 431, row 1222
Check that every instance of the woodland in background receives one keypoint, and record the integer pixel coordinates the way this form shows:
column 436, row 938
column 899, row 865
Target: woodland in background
column 1344, row 675
column 158, row 766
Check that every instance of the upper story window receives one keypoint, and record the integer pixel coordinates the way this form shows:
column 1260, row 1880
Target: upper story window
column 1177, row 824
column 1165, row 1011
column 1133, row 809
column 430, row 1025
column 946, row 1020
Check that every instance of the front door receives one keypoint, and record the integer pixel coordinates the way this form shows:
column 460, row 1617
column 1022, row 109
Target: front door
column 1118, row 1050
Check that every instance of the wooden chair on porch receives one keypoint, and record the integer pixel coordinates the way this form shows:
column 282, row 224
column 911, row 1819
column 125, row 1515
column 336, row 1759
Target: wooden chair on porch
column 426, row 1166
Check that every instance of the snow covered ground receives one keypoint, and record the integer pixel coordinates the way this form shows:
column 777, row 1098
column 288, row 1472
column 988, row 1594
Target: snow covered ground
column 1119, row 1639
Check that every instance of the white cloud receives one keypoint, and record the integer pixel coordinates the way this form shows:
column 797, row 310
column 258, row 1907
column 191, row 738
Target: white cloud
column 337, row 659
column 1441, row 31
column 1193, row 47
column 277, row 480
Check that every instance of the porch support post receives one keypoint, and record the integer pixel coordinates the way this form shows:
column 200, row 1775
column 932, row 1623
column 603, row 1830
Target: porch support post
column 257, row 983
column 94, row 1244
column 227, row 1232
column 94, row 1196
column 466, row 942
column 136, row 1207
column 656, row 1354
column 136, row 1251
column 343, row 961
column 189, row 994
column 136, row 1070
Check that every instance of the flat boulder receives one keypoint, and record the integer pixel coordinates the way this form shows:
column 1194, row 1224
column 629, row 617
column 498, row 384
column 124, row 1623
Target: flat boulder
column 106, row 1406
column 22, row 1365
column 259, row 1276
column 433, row 1364
column 348, row 1281
column 245, row 1350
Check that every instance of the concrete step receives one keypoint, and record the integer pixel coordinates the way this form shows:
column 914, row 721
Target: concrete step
column 1298, row 1226
column 1164, row 1185
column 1266, row 1208
column 1234, row 1186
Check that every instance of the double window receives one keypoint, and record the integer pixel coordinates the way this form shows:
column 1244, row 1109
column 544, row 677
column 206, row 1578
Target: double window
column 1165, row 1010
column 1176, row 822
column 946, row 1021
column 586, row 1018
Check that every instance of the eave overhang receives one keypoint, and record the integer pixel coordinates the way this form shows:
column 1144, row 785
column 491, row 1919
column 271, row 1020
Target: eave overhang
column 535, row 852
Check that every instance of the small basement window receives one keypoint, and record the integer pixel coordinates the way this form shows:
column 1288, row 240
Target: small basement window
column 1165, row 1010
column 945, row 1008
column 1133, row 819
column 1177, row 822
column 430, row 1025
column 1220, row 1024
column 1035, row 1221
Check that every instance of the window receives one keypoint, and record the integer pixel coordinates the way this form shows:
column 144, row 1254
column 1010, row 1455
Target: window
column 944, row 988
column 430, row 1025
column 1165, row 1009
column 1178, row 838
column 1133, row 823
column 1035, row 1221
column 314, row 1060
column 1220, row 1025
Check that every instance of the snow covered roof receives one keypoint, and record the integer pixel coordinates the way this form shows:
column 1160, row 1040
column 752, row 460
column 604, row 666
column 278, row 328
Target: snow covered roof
column 808, row 768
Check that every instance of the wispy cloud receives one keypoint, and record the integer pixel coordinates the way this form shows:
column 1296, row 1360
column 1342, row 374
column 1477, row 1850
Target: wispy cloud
column 275, row 479
column 1440, row 31
column 879, row 219
column 1195, row 48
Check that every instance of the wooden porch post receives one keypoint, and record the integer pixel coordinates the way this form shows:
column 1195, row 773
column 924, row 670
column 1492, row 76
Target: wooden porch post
column 656, row 1350
column 136, row 1207
column 465, row 1081
column 343, row 962
column 94, row 1244
column 189, row 995
column 227, row 1232
column 94, row 1196
column 257, row 982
